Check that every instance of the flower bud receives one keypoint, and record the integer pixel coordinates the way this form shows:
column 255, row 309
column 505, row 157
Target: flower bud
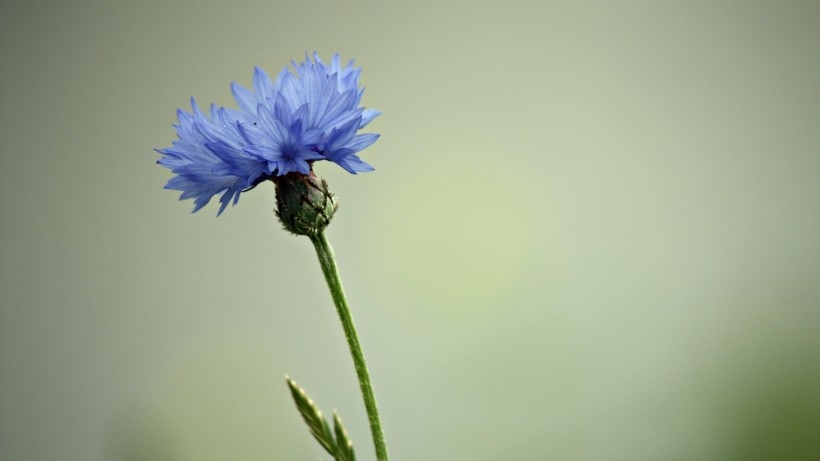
column 304, row 204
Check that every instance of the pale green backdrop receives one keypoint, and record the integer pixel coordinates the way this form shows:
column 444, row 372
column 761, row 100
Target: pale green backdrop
column 593, row 233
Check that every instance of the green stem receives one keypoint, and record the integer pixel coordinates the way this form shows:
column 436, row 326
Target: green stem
column 328, row 263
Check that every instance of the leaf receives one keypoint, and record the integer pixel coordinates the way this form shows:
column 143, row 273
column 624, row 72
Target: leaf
column 313, row 418
column 339, row 446
column 344, row 447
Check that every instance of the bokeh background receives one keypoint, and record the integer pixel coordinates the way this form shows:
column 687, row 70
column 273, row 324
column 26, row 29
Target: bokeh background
column 593, row 233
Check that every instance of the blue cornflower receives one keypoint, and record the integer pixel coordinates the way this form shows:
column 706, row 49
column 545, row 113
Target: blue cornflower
column 310, row 113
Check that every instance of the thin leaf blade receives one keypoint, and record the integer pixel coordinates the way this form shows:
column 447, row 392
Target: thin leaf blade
column 344, row 447
column 313, row 417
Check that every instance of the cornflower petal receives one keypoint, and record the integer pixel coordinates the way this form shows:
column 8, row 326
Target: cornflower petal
column 353, row 164
column 367, row 116
column 246, row 99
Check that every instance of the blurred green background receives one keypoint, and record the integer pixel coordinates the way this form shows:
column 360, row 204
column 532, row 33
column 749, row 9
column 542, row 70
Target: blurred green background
column 593, row 233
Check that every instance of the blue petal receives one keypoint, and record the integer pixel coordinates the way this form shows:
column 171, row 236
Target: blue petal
column 362, row 141
column 245, row 98
column 367, row 116
column 262, row 85
column 353, row 164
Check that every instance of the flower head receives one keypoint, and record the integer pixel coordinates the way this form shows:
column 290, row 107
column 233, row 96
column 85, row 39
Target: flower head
column 282, row 126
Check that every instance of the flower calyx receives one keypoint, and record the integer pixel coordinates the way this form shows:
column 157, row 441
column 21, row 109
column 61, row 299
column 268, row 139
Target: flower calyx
column 304, row 203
